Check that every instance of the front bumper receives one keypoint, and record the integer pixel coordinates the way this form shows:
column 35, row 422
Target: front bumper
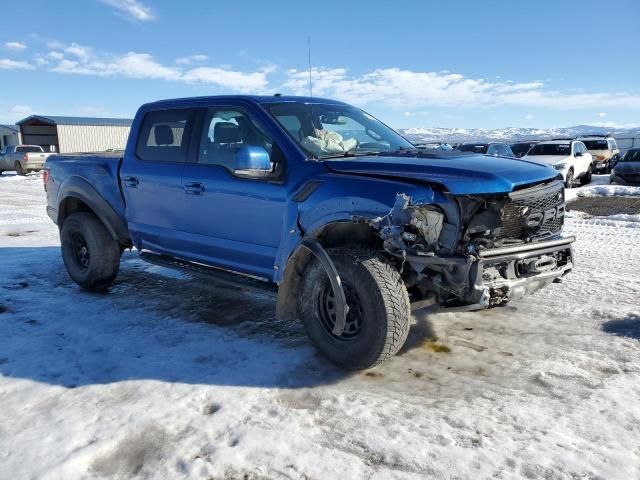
column 510, row 273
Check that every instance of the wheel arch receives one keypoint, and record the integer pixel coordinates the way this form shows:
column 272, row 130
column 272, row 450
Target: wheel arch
column 333, row 234
column 77, row 195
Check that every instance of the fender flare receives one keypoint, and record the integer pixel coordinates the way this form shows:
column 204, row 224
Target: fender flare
column 80, row 189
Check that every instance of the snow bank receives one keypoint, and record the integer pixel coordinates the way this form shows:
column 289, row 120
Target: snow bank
column 609, row 191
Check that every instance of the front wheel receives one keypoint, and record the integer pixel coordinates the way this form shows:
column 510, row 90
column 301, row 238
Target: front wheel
column 19, row 170
column 379, row 310
column 91, row 256
column 568, row 182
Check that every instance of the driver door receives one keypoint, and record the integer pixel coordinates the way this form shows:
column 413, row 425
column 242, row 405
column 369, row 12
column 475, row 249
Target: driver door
column 233, row 222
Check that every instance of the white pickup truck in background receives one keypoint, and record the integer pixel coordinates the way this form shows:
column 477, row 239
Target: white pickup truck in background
column 22, row 158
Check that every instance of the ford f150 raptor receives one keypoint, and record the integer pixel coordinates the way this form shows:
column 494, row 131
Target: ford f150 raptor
column 346, row 221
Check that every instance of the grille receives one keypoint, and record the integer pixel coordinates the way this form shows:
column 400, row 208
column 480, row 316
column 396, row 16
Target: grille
column 533, row 213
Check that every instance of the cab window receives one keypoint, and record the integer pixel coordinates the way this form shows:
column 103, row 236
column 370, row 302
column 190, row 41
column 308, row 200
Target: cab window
column 227, row 130
column 164, row 136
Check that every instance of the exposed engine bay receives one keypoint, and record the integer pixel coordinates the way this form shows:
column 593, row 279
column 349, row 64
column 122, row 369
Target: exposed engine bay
column 479, row 250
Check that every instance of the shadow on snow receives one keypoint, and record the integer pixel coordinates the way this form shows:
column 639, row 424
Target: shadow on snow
column 153, row 323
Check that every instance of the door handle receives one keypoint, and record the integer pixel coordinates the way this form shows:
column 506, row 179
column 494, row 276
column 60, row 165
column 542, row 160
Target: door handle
column 194, row 188
column 131, row 182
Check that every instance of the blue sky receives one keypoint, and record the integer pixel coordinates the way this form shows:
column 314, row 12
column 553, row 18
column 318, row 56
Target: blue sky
column 450, row 64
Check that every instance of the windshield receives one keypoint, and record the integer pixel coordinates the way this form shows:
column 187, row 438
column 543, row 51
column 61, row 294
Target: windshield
column 631, row 156
column 563, row 149
column 473, row 148
column 596, row 144
column 325, row 130
column 29, row 149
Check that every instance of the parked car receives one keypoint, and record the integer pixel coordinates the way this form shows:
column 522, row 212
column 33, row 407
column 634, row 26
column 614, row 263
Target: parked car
column 495, row 149
column 627, row 170
column 520, row 149
column 22, row 158
column 604, row 151
column 351, row 230
column 434, row 146
column 569, row 157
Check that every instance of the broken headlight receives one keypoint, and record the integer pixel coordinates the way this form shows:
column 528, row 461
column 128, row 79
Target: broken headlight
column 425, row 225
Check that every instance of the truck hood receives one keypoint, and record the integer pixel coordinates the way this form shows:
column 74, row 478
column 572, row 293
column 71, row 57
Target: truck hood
column 460, row 174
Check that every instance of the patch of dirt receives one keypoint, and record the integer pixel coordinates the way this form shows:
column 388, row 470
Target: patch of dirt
column 605, row 206
column 134, row 452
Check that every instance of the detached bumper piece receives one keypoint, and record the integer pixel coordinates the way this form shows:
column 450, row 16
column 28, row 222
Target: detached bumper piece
column 510, row 273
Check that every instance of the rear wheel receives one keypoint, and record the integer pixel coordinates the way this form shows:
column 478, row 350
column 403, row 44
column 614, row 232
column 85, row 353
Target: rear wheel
column 19, row 169
column 588, row 176
column 568, row 182
column 91, row 256
column 379, row 311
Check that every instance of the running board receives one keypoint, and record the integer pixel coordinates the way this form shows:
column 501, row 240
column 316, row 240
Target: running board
column 218, row 275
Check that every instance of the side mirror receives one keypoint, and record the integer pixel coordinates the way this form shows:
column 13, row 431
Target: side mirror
column 253, row 162
column 577, row 154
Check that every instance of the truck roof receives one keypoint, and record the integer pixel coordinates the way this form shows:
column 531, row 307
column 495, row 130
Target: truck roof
column 247, row 98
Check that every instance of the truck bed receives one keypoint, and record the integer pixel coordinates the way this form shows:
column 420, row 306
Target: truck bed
column 90, row 174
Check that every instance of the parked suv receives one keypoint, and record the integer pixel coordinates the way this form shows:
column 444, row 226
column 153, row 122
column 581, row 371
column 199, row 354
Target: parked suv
column 494, row 149
column 319, row 203
column 604, row 151
column 569, row 157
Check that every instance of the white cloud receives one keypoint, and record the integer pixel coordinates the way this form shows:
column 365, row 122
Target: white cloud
column 601, row 114
column 192, row 59
column 22, row 110
column 78, row 50
column 15, row 45
column 231, row 79
column 528, row 116
column 131, row 9
column 131, row 64
column 400, row 88
column 7, row 64
column 84, row 61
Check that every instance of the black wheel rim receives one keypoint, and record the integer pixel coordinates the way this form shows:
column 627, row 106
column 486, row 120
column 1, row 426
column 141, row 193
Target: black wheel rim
column 80, row 251
column 326, row 308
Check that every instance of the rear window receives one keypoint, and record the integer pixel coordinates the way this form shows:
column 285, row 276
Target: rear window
column 164, row 136
column 596, row 144
column 29, row 149
column 473, row 148
column 563, row 149
column 521, row 148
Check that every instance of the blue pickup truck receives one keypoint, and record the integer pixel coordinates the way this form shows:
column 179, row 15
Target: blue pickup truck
column 349, row 224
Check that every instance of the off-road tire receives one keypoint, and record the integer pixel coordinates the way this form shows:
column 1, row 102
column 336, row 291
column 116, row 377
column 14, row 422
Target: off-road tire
column 99, row 267
column 376, row 296
column 19, row 170
column 568, row 183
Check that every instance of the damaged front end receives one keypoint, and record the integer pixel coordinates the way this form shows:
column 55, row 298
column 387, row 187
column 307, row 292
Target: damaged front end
column 478, row 251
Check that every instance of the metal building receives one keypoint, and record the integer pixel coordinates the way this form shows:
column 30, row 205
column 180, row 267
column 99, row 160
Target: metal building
column 75, row 134
column 9, row 135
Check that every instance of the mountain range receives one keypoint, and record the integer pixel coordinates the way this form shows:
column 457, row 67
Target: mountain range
column 456, row 135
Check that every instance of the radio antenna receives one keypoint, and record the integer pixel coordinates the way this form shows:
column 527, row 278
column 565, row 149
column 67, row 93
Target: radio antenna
column 309, row 58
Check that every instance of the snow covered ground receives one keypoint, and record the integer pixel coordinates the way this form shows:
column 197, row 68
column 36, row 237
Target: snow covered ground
column 167, row 377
